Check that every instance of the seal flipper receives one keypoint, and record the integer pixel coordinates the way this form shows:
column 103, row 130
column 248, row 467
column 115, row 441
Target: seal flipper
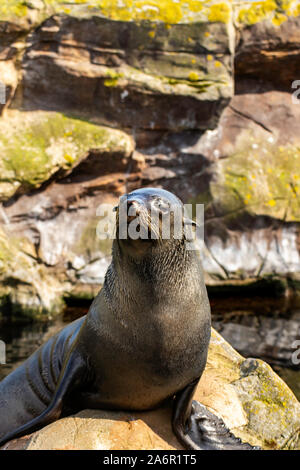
column 199, row 429
column 71, row 375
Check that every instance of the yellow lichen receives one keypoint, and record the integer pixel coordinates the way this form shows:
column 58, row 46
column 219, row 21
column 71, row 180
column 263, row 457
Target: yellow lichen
column 220, row 12
column 166, row 11
column 69, row 158
column 278, row 19
column 112, row 78
column 276, row 11
column 296, row 10
column 193, row 76
column 13, row 8
column 276, row 191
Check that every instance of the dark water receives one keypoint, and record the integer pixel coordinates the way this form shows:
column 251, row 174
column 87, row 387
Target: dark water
column 22, row 340
column 262, row 328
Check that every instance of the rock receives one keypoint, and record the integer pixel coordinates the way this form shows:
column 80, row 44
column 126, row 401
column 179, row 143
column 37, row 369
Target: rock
column 269, row 53
column 254, row 197
column 36, row 145
column 254, row 402
column 27, row 290
column 131, row 74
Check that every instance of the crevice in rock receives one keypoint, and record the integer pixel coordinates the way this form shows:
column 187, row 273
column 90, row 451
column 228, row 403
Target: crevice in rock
column 251, row 118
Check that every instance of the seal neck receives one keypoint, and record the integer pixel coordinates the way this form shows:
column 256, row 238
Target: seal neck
column 162, row 274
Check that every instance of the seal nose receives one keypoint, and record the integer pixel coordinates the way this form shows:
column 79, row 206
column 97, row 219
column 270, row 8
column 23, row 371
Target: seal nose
column 133, row 209
column 133, row 205
column 133, row 202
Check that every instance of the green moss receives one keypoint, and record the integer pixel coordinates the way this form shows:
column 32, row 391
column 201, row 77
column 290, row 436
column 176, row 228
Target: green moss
column 200, row 86
column 261, row 178
column 209, row 82
column 81, row 294
column 202, row 198
column 35, row 145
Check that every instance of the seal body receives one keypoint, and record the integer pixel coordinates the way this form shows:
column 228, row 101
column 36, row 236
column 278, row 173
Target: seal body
column 154, row 335
column 145, row 338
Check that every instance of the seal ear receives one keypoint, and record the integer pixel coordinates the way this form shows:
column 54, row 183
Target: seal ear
column 191, row 222
column 115, row 208
column 188, row 233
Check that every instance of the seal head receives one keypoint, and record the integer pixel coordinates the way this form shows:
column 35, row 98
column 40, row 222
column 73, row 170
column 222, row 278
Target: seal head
column 148, row 218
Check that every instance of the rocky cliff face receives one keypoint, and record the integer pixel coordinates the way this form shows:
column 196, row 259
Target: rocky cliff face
column 104, row 97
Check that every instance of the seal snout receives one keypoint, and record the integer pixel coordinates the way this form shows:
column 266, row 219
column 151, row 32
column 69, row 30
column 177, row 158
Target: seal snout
column 136, row 207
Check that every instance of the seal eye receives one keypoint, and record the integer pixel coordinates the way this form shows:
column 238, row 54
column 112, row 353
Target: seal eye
column 162, row 206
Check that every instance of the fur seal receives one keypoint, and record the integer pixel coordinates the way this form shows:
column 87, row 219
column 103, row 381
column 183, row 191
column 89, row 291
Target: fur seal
column 144, row 340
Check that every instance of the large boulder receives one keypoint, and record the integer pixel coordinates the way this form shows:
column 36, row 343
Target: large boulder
column 131, row 74
column 35, row 146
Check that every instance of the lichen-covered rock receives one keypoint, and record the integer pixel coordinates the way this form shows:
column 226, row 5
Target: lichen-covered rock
column 268, row 186
column 253, row 204
column 131, row 74
column 274, row 11
column 129, row 10
column 253, row 401
column 268, row 47
column 36, row 145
